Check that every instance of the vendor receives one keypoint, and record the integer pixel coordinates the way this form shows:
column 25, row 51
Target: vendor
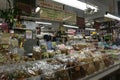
column 61, row 35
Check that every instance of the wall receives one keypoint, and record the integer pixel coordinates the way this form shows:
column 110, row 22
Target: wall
column 4, row 4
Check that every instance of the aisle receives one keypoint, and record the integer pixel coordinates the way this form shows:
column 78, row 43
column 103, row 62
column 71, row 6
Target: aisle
column 110, row 73
column 113, row 76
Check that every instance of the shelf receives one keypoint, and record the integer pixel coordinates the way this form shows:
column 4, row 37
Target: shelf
column 102, row 73
column 29, row 18
column 21, row 29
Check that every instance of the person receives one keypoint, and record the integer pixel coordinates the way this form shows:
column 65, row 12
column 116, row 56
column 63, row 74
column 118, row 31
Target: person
column 100, row 43
column 61, row 35
column 38, row 30
column 117, row 41
column 38, row 43
column 106, row 44
column 47, row 38
column 54, row 42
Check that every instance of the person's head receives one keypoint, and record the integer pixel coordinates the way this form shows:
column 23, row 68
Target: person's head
column 12, row 33
column 99, row 39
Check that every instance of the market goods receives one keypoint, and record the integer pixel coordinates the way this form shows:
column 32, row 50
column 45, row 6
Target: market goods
column 91, row 68
column 57, row 64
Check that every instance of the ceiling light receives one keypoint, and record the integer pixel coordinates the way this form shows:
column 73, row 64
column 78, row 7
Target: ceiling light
column 77, row 4
column 45, row 23
column 90, row 29
column 69, row 26
column 37, row 9
column 108, row 15
column 42, row 27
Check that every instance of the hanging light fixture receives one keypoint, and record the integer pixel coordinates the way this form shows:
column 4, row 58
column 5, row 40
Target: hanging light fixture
column 90, row 29
column 69, row 26
column 77, row 4
column 108, row 15
column 37, row 9
column 45, row 23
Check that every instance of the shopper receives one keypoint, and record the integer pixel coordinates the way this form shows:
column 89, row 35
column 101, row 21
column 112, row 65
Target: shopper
column 106, row 44
column 100, row 43
column 48, row 41
column 117, row 41
column 54, row 42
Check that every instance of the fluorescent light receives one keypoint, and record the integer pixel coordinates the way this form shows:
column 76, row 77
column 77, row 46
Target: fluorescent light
column 43, row 23
column 42, row 27
column 37, row 9
column 69, row 26
column 0, row 23
column 91, row 29
column 88, row 24
column 77, row 4
column 111, row 16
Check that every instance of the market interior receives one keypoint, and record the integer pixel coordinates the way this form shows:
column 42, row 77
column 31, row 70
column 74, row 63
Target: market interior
column 59, row 40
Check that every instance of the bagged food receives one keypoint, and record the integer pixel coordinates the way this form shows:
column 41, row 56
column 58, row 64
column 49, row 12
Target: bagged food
column 91, row 68
column 97, row 65
column 83, row 71
column 102, row 65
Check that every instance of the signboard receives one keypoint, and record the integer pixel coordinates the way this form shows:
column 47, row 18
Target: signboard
column 28, row 34
column 49, row 4
column 71, row 31
column 80, row 22
column 47, row 14
column 24, row 7
column 96, row 25
column 59, row 16
column 70, row 17
column 55, row 15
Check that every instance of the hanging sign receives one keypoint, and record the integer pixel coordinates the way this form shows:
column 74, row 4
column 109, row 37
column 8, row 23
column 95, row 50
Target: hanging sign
column 29, row 34
column 55, row 15
column 49, row 4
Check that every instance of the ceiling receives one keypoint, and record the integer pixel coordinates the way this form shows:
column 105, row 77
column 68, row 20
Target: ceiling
column 4, row 4
column 106, row 2
column 103, row 5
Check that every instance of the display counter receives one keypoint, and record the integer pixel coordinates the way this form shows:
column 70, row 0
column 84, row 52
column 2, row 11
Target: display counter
column 74, row 62
column 102, row 73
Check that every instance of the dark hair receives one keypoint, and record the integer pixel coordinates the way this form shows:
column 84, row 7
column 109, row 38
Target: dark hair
column 99, row 39
column 54, row 38
column 47, row 37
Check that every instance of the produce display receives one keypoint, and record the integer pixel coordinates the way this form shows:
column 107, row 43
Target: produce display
column 29, row 69
column 77, row 63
